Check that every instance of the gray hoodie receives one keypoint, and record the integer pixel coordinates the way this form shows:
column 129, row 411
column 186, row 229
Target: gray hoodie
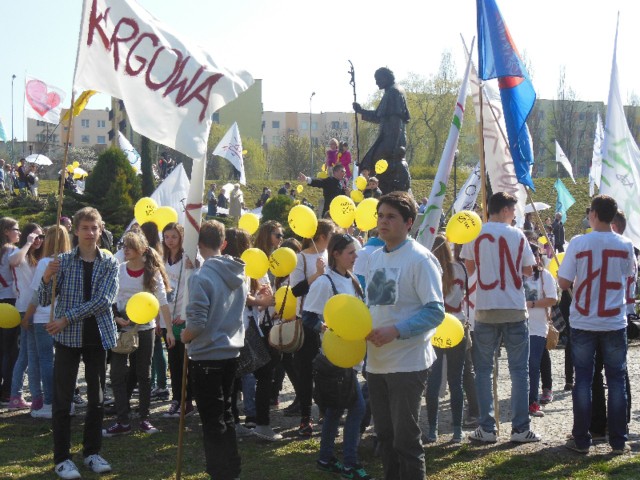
column 217, row 296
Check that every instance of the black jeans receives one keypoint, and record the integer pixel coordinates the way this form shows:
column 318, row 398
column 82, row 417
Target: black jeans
column 65, row 372
column 124, row 378
column 8, row 354
column 264, row 377
column 212, row 385
column 545, row 370
column 303, row 359
column 176, row 362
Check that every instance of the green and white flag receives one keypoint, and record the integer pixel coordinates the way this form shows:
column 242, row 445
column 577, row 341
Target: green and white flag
column 3, row 134
column 429, row 227
column 621, row 158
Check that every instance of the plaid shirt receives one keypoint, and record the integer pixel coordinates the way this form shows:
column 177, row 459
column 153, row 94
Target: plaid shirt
column 70, row 297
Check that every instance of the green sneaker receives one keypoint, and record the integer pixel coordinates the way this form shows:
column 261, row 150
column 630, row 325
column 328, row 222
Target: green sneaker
column 356, row 472
column 332, row 466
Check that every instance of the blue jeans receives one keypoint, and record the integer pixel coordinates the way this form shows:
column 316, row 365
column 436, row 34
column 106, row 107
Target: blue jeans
column 351, row 433
column 613, row 345
column 455, row 363
column 249, row 395
column 26, row 358
column 44, row 353
column 486, row 340
column 538, row 344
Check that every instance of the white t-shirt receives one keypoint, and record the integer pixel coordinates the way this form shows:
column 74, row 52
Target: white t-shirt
column 360, row 267
column 321, row 291
column 471, row 298
column 298, row 273
column 454, row 301
column 175, row 272
column 6, row 276
column 399, row 284
column 22, row 276
column 533, row 290
column 42, row 314
column 500, row 252
column 599, row 264
column 129, row 286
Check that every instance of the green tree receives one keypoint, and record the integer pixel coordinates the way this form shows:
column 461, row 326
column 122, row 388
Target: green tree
column 146, row 162
column 113, row 187
column 292, row 156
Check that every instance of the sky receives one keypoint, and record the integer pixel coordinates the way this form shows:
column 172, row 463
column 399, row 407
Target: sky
column 297, row 48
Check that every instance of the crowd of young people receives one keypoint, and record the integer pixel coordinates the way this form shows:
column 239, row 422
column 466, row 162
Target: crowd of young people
column 495, row 286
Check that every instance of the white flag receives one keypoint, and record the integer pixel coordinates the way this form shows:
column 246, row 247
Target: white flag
column 562, row 159
column 429, row 228
column 595, row 171
column 132, row 154
column 468, row 194
column 170, row 87
column 497, row 157
column 42, row 102
column 230, row 147
column 621, row 158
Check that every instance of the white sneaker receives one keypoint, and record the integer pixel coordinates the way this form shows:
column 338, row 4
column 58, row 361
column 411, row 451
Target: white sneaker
column 242, row 431
column 481, row 436
column 525, row 437
column 266, row 433
column 97, row 464
column 44, row 412
column 67, row 469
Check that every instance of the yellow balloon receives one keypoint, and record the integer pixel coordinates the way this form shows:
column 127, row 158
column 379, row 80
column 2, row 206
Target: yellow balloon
column 284, row 294
column 361, row 182
column 367, row 214
column 303, row 221
column 343, row 211
column 9, row 316
column 588, row 230
column 542, row 240
column 142, row 307
column 256, row 263
column 381, row 166
column 322, row 175
column 324, row 167
column 357, row 196
column 163, row 216
column 299, row 189
column 449, row 333
column 244, row 152
column 282, row 261
column 343, row 353
column 348, row 317
column 249, row 222
column 106, row 252
column 464, row 227
column 75, row 164
column 555, row 265
column 143, row 211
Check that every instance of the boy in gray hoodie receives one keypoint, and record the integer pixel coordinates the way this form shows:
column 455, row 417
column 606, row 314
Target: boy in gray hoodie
column 214, row 335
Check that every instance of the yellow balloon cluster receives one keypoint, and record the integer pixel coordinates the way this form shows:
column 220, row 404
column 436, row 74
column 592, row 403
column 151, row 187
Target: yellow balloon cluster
column 342, row 211
column 9, row 316
column 282, row 261
column 464, row 227
column 142, row 307
column 284, row 294
column 341, row 352
column 348, row 317
column 361, row 183
column 449, row 333
column 357, row 196
column 381, row 166
column 256, row 263
column 249, row 222
column 144, row 209
column 554, row 264
column 367, row 214
column 322, row 175
column 303, row 221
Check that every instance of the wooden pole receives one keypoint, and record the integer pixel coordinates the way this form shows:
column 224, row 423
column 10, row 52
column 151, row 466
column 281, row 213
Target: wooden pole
column 183, row 395
column 60, row 199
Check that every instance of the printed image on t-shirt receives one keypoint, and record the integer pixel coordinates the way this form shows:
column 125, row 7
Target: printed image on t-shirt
column 383, row 287
column 531, row 291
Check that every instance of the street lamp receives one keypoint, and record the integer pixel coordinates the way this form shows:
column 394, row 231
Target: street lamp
column 310, row 138
column 12, row 135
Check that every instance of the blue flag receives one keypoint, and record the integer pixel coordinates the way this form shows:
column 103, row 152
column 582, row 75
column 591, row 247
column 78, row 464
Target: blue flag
column 564, row 199
column 499, row 58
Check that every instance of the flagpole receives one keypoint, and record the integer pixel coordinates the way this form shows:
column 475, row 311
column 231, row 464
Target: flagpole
column 60, row 199
column 483, row 175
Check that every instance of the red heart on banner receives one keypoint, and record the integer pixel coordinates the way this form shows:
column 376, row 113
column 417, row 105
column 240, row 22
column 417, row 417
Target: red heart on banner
column 40, row 98
column 432, row 230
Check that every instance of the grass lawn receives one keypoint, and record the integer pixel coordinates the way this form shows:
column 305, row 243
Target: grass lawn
column 25, row 453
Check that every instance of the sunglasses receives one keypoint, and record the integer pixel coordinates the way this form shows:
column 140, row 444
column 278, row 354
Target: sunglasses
column 40, row 237
column 345, row 239
column 278, row 235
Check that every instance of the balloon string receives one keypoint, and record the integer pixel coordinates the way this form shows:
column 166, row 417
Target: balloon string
column 315, row 246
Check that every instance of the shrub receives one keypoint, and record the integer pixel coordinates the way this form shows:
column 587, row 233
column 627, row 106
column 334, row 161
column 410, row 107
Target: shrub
column 277, row 208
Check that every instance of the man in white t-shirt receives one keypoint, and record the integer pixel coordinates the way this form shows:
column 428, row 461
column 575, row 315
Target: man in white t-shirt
column 599, row 264
column 404, row 294
column 501, row 256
